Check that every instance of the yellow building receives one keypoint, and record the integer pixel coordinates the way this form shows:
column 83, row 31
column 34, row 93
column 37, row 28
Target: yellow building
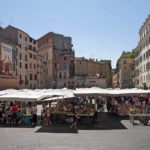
column 90, row 72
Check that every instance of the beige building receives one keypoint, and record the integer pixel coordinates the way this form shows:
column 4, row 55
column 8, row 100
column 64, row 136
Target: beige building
column 57, row 54
column 90, row 72
column 125, row 67
column 142, row 65
column 26, row 52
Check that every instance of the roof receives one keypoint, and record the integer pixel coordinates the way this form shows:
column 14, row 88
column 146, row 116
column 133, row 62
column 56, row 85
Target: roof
column 10, row 26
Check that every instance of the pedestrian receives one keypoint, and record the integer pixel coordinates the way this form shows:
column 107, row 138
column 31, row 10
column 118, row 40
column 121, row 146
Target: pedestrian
column 109, row 105
column 14, row 113
column 132, row 111
column 75, row 120
column 34, row 115
column 48, row 117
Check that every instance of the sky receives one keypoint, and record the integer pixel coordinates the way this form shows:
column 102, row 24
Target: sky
column 100, row 29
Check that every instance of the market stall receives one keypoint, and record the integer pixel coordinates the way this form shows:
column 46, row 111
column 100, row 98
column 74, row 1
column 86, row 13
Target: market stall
column 85, row 101
column 119, row 100
column 17, row 106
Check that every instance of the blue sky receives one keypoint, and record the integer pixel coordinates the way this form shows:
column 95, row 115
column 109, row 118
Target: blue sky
column 100, row 29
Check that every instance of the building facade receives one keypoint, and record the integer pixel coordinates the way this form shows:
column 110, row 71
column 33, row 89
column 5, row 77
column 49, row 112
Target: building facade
column 58, row 58
column 126, row 71
column 26, row 55
column 142, row 58
column 90, row 72
column 115, row 78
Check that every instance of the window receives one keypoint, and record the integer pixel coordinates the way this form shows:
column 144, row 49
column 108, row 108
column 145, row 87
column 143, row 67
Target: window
column 141, row 59
column 148, row 66
column 34, row 66
column 65, row 66
column 64, row 84
column 35, row 57
column 20, row 77
column 34, row 49
column 125, row 62
column 65, row 58
column 47, row 56
column 31, row 40
column 30, row 65
column 25, row 78
column 35, row 77
column 25, row 57
column 147, row 54
column 20, row 64
column 14, row 67
column 60, row 75
column 20, row 45
column 146, row 42
column 144, row 56
column 30, row 86
column 20, row 36
column 26, row 66
column 30, row 76
column 25, row 38
column 20, row 56
column 30, row 47
column 34, row 86
column 65, row 75
column 30, row 55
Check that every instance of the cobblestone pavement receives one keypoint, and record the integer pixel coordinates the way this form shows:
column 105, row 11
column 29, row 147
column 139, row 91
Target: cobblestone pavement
column 129, row 138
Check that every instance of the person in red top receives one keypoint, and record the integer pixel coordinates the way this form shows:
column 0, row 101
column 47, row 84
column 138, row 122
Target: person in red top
column 14, row 111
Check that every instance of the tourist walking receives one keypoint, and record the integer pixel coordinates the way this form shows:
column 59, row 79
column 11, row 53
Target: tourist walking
column 75, row 120
column 34, row 115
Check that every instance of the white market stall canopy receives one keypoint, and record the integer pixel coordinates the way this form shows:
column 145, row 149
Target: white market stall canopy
column 33, row 95
column 55, row 94
column 111, row 92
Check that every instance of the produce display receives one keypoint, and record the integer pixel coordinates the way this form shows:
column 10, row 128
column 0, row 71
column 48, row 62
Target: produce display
column 64, row 107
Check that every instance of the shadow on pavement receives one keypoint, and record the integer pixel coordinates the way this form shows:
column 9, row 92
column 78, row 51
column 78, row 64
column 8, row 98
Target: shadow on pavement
column 57, row 128
column 16, row 126
column 105, row 121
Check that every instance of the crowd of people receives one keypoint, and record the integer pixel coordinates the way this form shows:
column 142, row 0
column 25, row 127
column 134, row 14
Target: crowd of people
column 16, row 113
